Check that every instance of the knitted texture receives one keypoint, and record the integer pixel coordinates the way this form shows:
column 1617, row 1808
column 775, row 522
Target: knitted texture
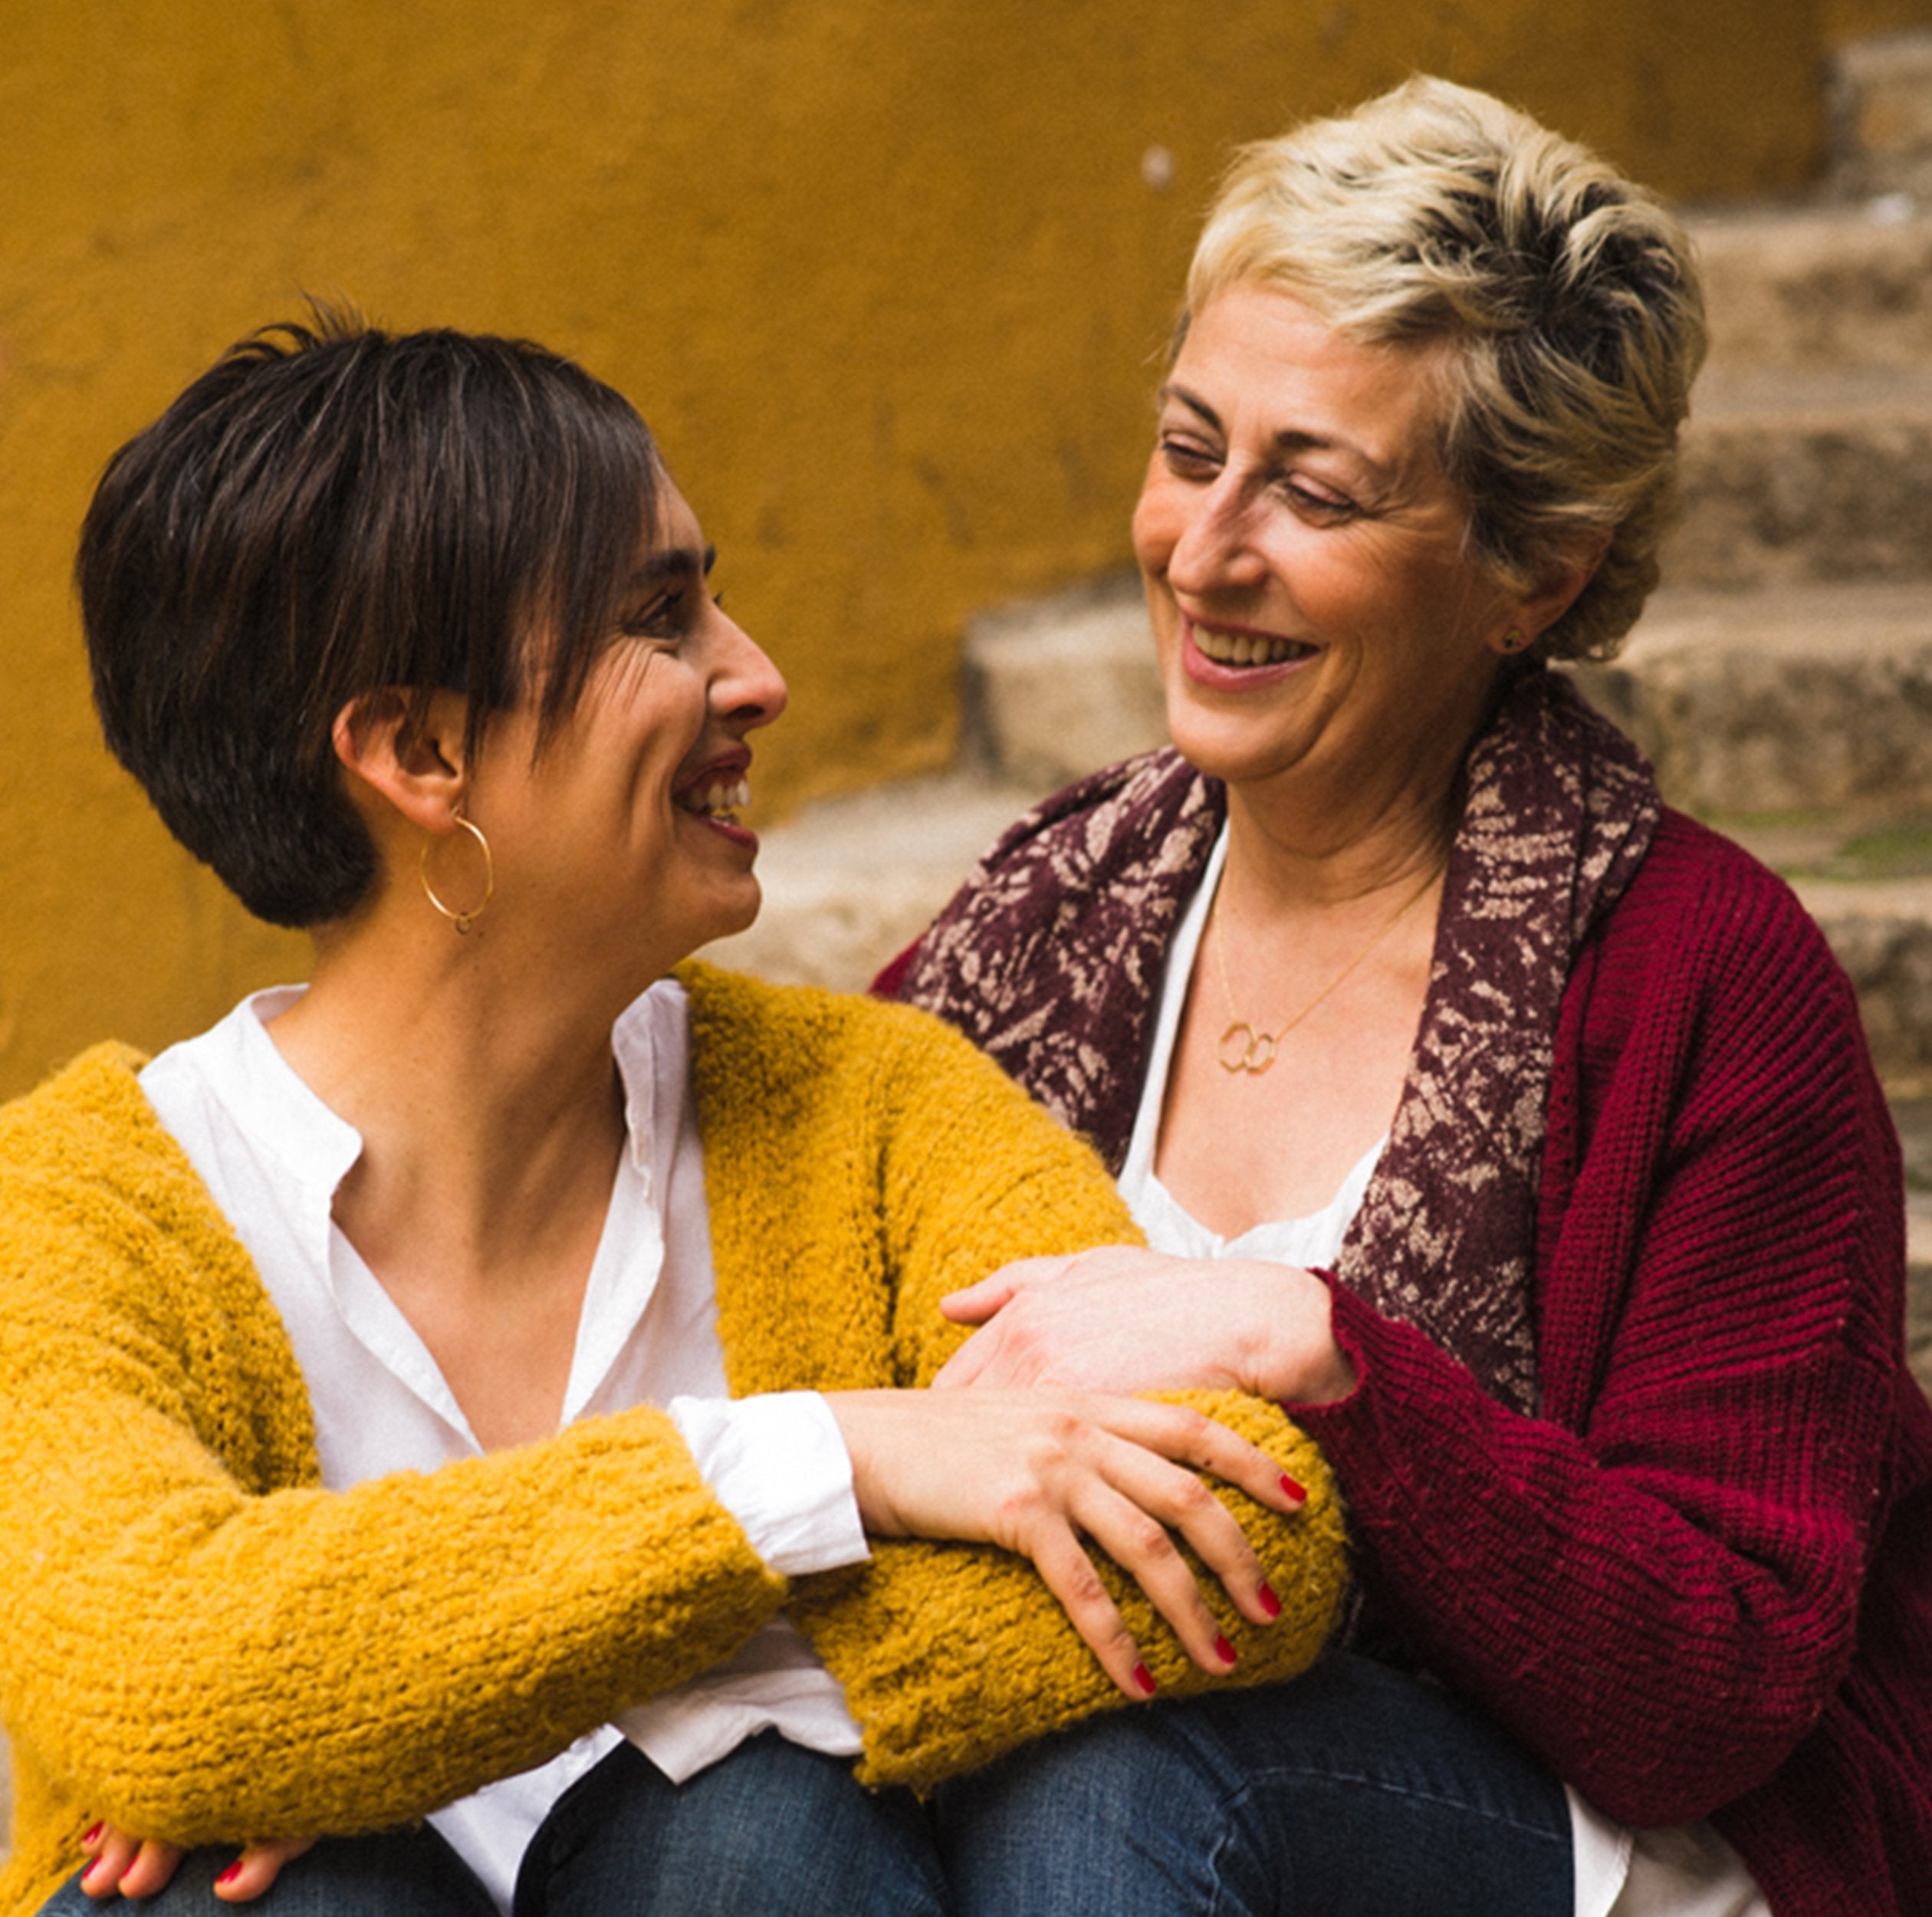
column 203, row 1645
column 918, row 1169
column 1699, row 1583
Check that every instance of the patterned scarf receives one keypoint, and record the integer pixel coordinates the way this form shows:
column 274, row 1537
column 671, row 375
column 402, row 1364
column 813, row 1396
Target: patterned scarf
column 1050, row 959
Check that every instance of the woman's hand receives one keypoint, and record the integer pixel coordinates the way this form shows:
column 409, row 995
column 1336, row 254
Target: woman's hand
column 1036, row 1472
column 1123, row 1319
column 129, row 1866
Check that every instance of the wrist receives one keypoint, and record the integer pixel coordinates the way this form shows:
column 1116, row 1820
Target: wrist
column 1292, row 1356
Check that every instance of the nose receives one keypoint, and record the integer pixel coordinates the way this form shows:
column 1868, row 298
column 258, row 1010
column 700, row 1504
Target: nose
column 747, row 691
column 1214, row 549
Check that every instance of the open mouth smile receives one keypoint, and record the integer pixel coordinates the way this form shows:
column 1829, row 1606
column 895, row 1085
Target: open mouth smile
column 1230, row 648
column 721, row 798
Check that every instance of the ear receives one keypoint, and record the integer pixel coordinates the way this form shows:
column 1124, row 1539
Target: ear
column 407, row 752
column 1525, row 620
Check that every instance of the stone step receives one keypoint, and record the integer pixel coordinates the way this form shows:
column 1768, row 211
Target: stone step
column 1879, row 92
column 1061, row 685
column 1792, row 478
column 1799, row 288
column 1809, row 699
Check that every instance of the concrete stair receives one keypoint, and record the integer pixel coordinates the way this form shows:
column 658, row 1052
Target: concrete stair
column 1782, row 685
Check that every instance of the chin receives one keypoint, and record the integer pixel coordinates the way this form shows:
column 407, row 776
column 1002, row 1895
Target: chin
column 1234, row 748
column 738, row 915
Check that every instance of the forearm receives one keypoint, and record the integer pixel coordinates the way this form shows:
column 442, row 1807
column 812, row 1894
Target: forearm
column 1636, row 1606
column 951, row 1654
column 220, row 1665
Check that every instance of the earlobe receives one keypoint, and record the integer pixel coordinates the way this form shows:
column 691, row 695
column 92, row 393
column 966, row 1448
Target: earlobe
column 407, row 750
column 1558, row 591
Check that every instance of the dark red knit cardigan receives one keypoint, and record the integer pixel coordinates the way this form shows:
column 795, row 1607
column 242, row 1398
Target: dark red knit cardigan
column 1698, row 1583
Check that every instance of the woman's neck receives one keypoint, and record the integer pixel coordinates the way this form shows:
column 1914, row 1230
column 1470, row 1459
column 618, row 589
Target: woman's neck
column 492, row 1120
column 1283, row 859
column 489, row 1106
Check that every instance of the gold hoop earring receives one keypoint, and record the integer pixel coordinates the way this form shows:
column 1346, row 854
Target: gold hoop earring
column 462, row 921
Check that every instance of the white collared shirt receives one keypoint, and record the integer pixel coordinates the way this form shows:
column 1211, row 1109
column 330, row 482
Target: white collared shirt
column 272, row 1154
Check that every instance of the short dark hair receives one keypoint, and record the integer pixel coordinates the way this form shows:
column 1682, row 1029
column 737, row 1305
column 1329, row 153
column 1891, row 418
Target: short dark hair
column 331, row 511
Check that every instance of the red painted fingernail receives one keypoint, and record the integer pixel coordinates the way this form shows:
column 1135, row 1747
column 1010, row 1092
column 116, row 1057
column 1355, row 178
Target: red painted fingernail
column 1223, row 1650
column 1269, row 1603
column 1292, row 1489
column 229, row 1874
column 1144, row 1679
column 93, row 1836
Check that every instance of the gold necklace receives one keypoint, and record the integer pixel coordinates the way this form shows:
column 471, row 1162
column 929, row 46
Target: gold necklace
column 1244, row 1048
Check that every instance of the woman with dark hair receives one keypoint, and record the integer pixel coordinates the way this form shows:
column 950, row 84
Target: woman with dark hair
column 463, row 1389
column 1516, row 1132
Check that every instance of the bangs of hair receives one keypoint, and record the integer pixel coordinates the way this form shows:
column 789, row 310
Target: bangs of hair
column 332, row 512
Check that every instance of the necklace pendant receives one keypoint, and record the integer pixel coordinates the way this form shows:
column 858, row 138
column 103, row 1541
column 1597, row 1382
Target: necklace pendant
column 1243, row 1049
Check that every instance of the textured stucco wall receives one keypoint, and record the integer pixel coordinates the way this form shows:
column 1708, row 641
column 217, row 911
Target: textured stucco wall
column 887, row 275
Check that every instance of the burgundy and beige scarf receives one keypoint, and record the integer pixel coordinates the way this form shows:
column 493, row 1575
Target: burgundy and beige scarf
column 1050, row 958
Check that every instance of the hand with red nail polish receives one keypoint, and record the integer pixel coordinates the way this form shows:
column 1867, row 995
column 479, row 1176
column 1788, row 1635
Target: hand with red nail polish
column 125, row 1866
column 122, row 1865
column 1049, row 1475
column 256, row 1869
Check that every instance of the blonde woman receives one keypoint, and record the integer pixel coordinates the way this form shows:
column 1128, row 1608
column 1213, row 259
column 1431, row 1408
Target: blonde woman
column 1516, row 1132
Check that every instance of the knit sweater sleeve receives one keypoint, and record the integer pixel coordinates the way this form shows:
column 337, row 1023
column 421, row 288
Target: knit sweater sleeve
column 1655, row 1583
column 952, row 1654
column 202, row 1644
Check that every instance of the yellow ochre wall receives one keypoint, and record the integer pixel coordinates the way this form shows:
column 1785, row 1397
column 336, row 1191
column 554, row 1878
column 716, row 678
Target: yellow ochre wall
column 886, row 275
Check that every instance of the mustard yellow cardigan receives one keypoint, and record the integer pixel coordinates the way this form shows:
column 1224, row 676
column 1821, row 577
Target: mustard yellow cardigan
column 200, row 1643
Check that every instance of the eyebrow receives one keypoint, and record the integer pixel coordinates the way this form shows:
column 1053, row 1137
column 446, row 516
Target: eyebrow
column 672, row 561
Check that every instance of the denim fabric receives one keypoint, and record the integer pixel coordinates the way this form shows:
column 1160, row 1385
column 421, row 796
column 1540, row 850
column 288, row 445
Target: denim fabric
column 773, row 1829
column 1353, row 1792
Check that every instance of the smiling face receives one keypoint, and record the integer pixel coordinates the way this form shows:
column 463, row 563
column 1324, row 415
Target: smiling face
column 1321, row 629
column 623, row 829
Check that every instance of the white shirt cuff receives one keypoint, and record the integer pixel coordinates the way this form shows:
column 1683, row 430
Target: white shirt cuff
column 778, row 1464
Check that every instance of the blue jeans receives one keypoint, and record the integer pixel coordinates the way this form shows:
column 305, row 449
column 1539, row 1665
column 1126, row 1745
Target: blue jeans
column 1353, row 1792
column 773, row 1828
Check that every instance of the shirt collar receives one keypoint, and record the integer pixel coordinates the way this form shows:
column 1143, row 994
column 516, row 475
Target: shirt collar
column 274, row 1107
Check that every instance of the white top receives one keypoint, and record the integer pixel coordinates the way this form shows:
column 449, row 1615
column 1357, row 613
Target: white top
column 272, row 1154
column 1685, row 1871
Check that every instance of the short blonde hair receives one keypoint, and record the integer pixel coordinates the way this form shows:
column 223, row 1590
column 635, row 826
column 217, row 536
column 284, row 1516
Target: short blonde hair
column 1561, row 298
